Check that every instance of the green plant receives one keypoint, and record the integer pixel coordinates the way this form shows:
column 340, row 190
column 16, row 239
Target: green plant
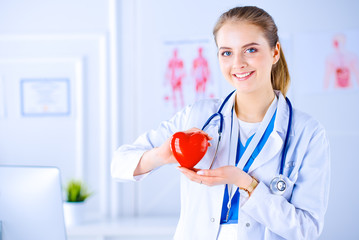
column 76, row 191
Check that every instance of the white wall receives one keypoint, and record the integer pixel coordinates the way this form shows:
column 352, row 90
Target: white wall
column 68, row 39
column 53, row 17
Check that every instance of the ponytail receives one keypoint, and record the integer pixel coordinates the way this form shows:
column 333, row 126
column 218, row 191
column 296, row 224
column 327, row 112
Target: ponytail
column 280, row 74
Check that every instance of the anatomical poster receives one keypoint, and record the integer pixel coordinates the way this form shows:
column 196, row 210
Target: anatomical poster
column 327, row 62
column 190, row 72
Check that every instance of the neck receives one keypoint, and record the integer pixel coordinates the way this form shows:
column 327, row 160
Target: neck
column 252, row 107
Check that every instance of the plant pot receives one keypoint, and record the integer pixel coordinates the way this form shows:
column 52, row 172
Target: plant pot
column 74, row 213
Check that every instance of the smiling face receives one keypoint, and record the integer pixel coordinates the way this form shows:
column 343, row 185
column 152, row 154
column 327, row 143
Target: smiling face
column 245, row 57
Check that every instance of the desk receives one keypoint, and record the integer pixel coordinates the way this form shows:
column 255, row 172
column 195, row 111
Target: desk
column 154, row 228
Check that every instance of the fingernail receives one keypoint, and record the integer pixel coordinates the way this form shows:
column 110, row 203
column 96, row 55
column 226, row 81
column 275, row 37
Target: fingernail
column 179, row 168
column 200, row 173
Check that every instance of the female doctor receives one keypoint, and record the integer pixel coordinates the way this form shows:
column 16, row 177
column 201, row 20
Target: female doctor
column 270, row 177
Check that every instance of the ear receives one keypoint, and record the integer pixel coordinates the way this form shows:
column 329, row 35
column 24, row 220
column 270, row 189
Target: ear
column 276, row 53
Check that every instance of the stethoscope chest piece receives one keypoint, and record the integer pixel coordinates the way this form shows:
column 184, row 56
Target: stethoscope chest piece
column 278, row 185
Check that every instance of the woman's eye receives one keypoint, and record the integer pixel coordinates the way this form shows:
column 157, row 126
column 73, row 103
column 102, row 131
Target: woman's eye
column 226, row 53
column 251, row 50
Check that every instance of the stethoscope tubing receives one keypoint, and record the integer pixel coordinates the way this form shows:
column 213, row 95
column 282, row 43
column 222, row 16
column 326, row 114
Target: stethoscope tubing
column 220, row 129
column 285, row 148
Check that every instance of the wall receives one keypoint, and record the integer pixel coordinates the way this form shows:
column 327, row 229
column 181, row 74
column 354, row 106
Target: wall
column 58, row 39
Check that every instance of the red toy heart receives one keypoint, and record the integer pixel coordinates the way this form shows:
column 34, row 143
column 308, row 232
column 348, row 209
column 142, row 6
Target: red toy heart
column 189, row 148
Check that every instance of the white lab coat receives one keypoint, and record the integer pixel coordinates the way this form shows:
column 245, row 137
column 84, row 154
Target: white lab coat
column 298, row 214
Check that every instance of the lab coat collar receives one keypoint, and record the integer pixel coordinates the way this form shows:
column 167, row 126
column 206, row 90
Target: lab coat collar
column 275, row 141
column 282, row 112
column 282, row 118
column 227, row 109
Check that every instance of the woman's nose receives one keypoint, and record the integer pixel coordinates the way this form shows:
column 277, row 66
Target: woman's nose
column 239, row 62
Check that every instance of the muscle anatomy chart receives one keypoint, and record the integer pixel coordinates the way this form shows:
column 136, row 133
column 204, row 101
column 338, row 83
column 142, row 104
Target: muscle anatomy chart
column 188, row 73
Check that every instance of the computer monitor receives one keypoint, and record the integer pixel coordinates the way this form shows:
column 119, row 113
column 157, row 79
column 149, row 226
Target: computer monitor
column 31, row 203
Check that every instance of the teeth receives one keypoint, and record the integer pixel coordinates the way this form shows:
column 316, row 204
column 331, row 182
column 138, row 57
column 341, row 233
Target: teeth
column 242, row 75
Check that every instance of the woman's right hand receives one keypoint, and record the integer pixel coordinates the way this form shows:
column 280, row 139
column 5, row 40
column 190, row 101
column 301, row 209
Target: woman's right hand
column 161, row 155
column 165, row 151
column 165, row 154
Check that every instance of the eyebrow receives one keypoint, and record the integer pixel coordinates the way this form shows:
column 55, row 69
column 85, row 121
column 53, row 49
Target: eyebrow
column 245, row 46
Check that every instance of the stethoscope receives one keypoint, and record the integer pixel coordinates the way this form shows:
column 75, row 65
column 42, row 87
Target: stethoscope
column 278, row 185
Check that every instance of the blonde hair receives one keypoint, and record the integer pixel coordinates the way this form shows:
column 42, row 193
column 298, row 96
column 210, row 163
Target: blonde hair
column 279, row 75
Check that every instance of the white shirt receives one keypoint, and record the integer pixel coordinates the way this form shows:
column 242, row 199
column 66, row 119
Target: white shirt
column 246, row 130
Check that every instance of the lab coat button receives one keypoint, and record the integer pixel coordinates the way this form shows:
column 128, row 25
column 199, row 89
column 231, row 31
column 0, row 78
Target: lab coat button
column 248, row 224
column 212, row 219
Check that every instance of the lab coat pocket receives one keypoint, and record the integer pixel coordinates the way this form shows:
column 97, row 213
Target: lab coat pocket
column 289, row 188
column 289, row 167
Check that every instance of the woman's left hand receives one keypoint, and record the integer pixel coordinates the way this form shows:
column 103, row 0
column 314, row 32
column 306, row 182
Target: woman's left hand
column 222, row 175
